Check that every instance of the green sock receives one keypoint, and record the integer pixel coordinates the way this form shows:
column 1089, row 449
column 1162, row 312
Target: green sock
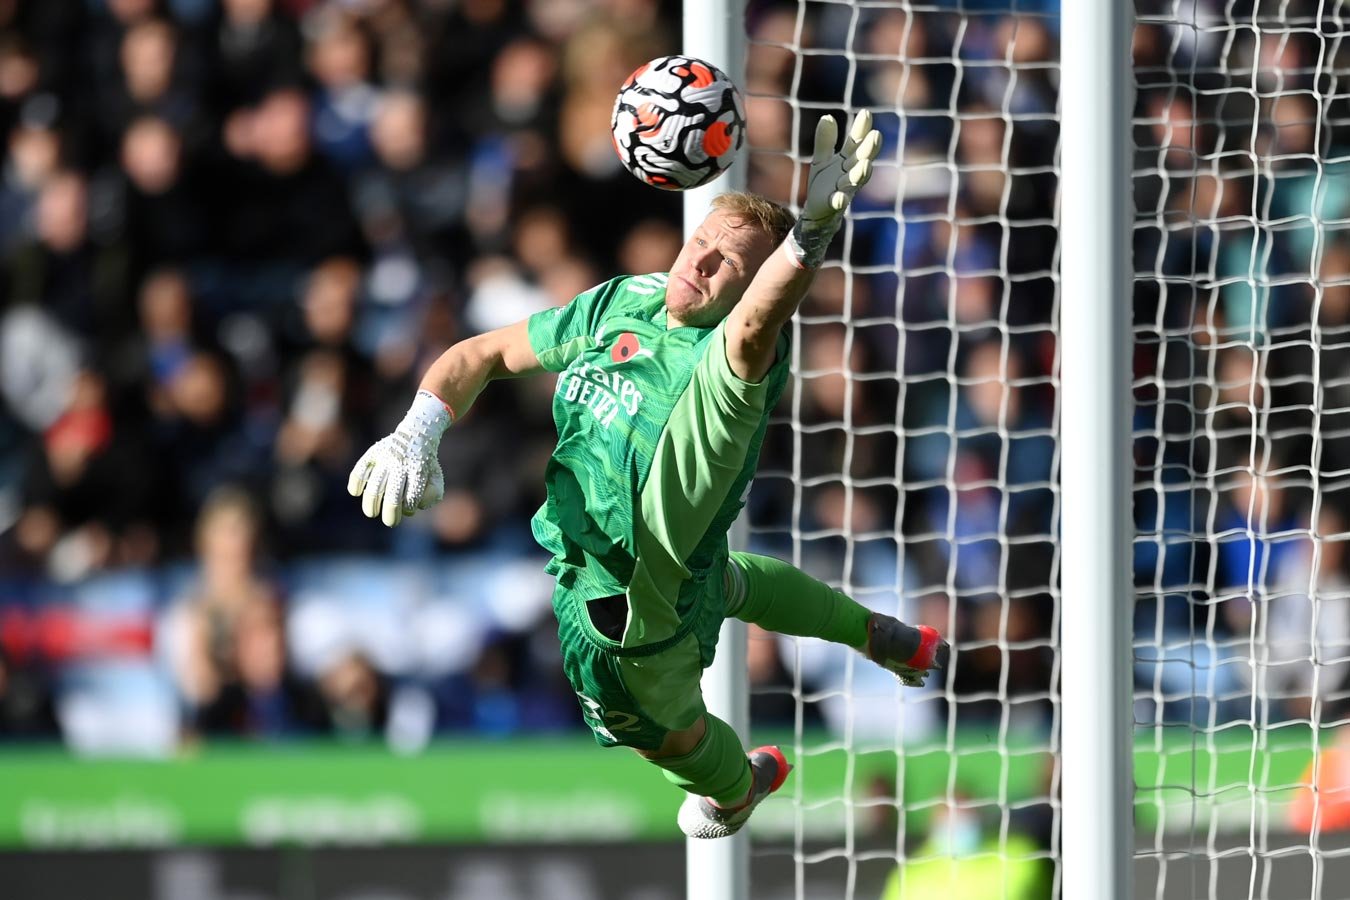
column 716, row 768
column 779, row 597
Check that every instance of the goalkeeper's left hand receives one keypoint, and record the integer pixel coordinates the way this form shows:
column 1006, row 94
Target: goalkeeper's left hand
column 401, row 473
column 836, row 176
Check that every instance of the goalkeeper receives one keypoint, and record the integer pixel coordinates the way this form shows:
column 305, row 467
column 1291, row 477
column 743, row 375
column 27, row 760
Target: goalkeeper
column 665, row 386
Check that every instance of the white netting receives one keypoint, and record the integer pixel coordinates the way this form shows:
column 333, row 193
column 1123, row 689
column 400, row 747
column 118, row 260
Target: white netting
column 1242, row 327
column 914, row 463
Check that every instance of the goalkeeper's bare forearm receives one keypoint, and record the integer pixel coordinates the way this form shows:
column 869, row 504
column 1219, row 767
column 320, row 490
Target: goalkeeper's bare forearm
column 400, row 474
column 754, row 323
column 459, row 374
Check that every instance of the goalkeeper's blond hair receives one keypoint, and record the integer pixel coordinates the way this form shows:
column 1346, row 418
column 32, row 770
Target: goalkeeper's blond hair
column 771, row 218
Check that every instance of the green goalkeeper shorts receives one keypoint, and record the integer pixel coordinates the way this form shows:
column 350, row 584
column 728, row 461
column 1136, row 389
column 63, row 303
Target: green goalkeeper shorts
column 629, row 696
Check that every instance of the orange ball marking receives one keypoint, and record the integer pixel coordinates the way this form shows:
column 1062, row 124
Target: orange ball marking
column 702, row 77
column 716, row 140
column 649, row 117
column 637, row 73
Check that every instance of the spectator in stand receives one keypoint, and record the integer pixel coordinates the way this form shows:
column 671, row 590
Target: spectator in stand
column 27, row 703
column 601, row 197
column 166, row 338
column 103, row 33
column 262, row 697
column 80, row 282
column 20, row 76
column 328, row 387
column 198, row 434
column 282, row 203
column 459, row 65
column 1304, row 670
column 356, row 695
column 1025, row 87
column 34, row 154
column 254, row 49
column 202, row 624
column 88, row 498
column 1000, row 419
column 902, row 71
column 398, row 40
column 163, row 218
column 151, row 84
column 1258, row 518
column 410, row 200
column 312, row 445
column 345, row 103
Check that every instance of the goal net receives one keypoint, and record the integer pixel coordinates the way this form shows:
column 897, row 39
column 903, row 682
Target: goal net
column 914, row 462
column 1242, row 306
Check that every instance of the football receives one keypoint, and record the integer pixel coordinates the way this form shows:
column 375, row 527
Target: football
column 678, row 122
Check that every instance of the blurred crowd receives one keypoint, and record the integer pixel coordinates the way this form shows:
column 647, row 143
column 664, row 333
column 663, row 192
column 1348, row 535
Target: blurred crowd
column 1241, row 328
column 234, row 232
column 233, row 235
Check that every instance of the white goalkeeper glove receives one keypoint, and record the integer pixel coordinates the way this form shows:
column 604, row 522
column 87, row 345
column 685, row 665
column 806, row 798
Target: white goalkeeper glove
column 835, row 178
column 401, row 474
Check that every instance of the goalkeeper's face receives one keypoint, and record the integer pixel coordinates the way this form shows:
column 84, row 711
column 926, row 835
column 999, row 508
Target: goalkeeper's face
column 714, row 268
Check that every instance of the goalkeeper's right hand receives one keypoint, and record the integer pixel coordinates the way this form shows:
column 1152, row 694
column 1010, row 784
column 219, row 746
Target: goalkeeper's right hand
column 836, row 176
column 401, row 474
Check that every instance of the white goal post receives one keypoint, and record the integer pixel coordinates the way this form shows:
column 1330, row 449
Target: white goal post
column 1096, row 532
column 720, row 870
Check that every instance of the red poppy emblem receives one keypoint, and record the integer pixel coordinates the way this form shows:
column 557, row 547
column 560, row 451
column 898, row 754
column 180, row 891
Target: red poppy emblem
column 625, row 348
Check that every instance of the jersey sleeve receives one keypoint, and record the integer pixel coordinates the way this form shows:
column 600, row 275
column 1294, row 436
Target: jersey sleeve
column 713, row 432
column 559, row 335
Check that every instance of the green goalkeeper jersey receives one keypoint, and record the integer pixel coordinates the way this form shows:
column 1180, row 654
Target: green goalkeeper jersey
column 657, row 443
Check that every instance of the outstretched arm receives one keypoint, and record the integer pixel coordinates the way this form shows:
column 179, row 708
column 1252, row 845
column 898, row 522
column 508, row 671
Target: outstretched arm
column 401, row 474
column 754, row 323
column 460, row 373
